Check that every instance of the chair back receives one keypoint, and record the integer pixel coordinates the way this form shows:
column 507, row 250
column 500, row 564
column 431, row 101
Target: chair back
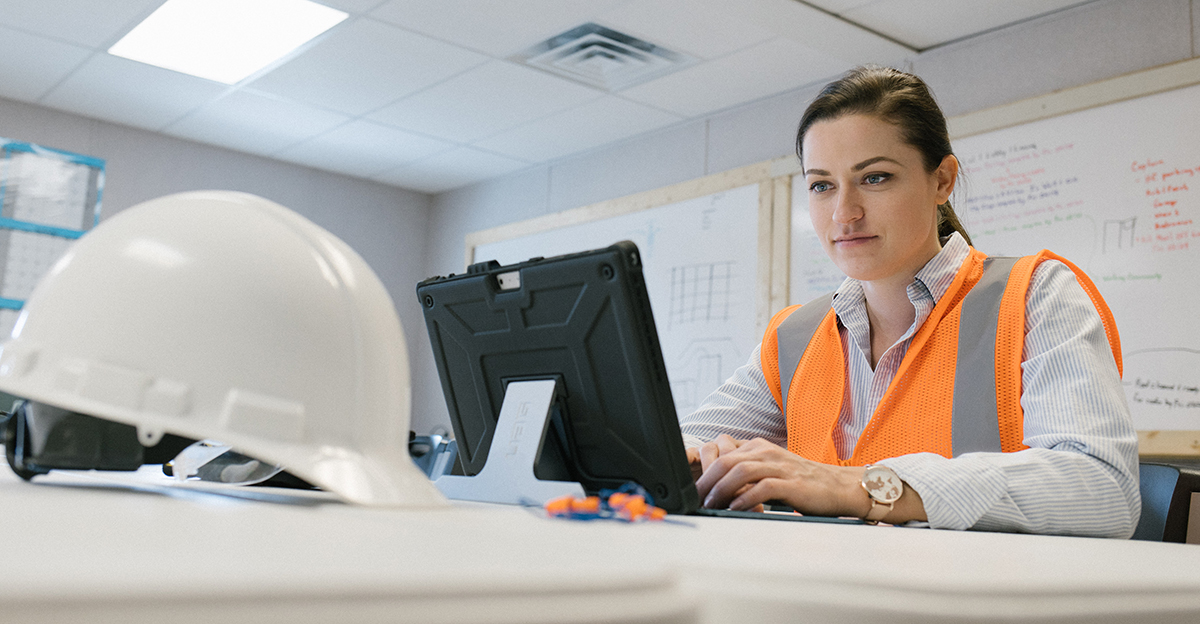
column 1166, row 502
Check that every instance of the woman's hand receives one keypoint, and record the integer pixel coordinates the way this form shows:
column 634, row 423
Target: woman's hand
column 700, row 457
column 741, row 474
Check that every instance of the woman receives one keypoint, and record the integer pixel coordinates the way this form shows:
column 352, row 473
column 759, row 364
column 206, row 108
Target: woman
column 984, row 393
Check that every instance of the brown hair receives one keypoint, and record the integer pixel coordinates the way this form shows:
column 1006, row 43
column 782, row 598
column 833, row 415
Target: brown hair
column 898, row 98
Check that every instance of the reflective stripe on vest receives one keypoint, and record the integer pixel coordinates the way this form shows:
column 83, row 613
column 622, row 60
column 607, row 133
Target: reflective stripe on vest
column 975, row 414
column 795, row 332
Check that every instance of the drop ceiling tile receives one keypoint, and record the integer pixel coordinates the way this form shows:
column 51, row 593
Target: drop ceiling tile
column 254, row 123
column 364, row 64
column 766, row 69
column 450, row 170
column 131, row 93
column 591, row 125
column 839, row 6
column 700, row 28
column 31, row 64
column 363, row 149
column 924, row 24
column 818, row 30
column 351, row 6
column 90, row 23
column 486, row 100
column 497, row 28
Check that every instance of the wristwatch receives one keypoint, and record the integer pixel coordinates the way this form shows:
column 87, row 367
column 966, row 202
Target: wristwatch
column 884, row 487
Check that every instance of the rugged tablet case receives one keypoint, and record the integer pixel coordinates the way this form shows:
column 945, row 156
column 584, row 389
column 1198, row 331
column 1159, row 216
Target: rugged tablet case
column 583, row 319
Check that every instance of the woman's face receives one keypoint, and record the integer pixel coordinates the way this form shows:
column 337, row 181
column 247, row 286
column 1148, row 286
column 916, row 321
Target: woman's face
column 872, row 203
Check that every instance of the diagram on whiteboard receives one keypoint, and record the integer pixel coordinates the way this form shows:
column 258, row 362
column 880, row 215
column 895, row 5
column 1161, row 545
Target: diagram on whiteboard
column 699, row 368
column 1119, row 234
column 699, row 258
column 700, row 293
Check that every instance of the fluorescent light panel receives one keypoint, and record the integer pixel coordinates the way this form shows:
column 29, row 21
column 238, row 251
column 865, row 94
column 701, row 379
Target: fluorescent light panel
column 224, row 40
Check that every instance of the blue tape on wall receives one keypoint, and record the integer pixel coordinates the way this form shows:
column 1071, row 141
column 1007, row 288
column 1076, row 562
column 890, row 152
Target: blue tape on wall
column 38, row 228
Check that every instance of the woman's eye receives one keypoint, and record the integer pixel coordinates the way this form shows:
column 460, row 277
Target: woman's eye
column 819, row 187
column 876, row 178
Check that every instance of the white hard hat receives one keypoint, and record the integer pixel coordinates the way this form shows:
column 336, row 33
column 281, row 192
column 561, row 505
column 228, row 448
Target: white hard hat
column 221, row 315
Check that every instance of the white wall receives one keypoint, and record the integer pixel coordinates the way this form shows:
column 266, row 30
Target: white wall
column 385, row 225
column 1073, row 47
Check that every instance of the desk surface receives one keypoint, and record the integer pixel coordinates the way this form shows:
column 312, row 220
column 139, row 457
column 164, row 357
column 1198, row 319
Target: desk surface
column 123, row 549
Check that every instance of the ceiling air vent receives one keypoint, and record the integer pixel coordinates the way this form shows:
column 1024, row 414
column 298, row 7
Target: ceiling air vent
column 604, row 58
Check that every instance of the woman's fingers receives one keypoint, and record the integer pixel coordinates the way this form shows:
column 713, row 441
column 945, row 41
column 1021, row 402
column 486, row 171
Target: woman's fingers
column 693, row 457
column 711, row 451
column 754, row 495
column 730, row 475
column 710, row 455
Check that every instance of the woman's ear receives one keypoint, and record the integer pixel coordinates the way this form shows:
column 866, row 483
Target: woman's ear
column 947, row 175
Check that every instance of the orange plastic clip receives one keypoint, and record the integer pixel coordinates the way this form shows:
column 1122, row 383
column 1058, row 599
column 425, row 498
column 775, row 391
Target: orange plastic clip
column 559, row 506
column 589, row 505
column 631, row 507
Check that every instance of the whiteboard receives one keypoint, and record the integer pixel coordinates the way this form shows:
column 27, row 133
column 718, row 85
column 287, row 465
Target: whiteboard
column 1116, row 190
column 699, row 259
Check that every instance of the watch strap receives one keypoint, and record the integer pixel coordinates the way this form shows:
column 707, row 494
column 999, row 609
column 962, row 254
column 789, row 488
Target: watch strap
column 878, row 511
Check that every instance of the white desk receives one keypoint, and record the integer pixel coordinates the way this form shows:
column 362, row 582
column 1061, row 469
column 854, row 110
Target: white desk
column 80, row 550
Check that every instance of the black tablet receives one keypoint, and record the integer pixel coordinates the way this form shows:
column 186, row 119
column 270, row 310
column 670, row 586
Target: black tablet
column 583, row 320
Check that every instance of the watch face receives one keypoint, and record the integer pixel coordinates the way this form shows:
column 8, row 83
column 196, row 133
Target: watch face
column 883, row 484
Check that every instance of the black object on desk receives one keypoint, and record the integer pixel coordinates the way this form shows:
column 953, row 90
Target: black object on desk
column 584, row 321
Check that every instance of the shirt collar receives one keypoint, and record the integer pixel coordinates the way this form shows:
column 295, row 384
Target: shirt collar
column 934, row 278
column 939, row 272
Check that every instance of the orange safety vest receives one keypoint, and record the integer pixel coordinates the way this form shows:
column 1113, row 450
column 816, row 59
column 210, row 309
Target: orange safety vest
column 958, row 388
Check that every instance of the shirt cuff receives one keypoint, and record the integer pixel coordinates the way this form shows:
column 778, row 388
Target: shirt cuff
column 956, row 492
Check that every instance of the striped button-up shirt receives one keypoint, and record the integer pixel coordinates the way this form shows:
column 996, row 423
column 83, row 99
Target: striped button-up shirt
column 1080, row 474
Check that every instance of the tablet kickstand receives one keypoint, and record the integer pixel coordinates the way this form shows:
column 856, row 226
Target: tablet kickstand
column 507, row 475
